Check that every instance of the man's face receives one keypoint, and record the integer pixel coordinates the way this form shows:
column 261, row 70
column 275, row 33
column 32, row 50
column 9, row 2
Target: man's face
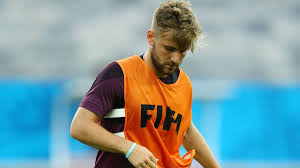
column 166, row 55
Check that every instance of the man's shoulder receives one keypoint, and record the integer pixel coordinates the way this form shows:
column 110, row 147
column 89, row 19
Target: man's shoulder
column 112, row 70
column 185, row 77
column 183, row 73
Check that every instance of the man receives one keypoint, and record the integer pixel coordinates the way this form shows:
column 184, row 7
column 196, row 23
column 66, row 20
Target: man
column 156, row 96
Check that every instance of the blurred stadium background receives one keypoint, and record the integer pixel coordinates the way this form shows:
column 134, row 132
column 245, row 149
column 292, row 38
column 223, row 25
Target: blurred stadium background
column 246, row 79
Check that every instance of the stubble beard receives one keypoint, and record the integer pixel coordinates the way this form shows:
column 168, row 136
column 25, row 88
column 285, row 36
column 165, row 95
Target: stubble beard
column 160, row 67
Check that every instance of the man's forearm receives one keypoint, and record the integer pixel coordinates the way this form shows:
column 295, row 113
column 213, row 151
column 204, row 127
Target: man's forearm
column 84, row 128
column 194, row 140
column 96, row 136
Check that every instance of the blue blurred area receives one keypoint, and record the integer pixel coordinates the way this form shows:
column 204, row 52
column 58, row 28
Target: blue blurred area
column 258, row 122
column 25, row 117
column 261, row 123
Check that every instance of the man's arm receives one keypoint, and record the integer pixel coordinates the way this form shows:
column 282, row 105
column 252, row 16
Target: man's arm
column 85, row 129
column 194, row 140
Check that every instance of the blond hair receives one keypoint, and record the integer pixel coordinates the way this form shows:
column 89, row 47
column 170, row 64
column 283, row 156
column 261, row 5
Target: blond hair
column 177, row 17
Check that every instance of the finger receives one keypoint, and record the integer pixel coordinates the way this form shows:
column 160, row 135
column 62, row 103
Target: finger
column 143, row 165
column 151, row 164
column 153, row 159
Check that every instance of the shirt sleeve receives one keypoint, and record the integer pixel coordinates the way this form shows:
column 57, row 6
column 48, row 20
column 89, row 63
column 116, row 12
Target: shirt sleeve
column 107, row 91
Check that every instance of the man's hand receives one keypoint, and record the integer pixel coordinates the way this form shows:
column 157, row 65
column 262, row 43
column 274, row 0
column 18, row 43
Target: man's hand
column 141, row 157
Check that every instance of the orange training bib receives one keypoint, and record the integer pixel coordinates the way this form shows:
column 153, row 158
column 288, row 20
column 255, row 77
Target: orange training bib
column 157, row 115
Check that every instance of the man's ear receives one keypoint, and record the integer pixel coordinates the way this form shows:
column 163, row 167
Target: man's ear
column 150, row 37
